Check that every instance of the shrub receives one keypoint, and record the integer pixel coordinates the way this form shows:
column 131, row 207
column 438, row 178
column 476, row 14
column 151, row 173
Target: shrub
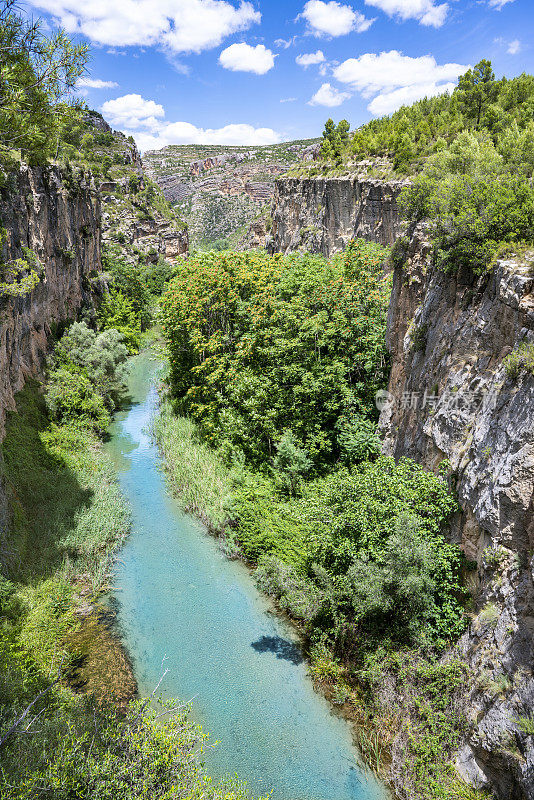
column 520, row 360
column 71, row 397
column 100, row 357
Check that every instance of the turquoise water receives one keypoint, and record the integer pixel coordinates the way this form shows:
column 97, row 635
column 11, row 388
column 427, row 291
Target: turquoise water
column 183, row 605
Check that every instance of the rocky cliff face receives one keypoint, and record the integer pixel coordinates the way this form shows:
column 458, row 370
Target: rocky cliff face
column 321, row 215
column 56, row 216
column 455, row 394
column 217, row 189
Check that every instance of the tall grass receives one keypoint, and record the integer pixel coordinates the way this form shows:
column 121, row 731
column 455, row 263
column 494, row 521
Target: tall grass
column 196, row 473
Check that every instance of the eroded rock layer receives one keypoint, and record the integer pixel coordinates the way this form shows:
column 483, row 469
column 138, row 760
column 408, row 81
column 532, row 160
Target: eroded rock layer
column 455, row 395
column 57, row 217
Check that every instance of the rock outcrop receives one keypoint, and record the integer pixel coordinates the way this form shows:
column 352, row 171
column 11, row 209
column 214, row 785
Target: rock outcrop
column 321, row 214
column 218, row 190
column 454, row 394
column 56, row 216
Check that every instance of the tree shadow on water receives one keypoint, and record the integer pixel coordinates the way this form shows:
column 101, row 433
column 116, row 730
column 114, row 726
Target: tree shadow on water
column 282, row 648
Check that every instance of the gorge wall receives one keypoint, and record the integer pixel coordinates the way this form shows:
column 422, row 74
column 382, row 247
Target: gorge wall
column 454, row 396
column 57, row 217
column 322, row 214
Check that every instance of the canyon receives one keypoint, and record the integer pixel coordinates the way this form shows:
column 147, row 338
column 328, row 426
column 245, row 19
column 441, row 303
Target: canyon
column 219, row 190
column 451, row 394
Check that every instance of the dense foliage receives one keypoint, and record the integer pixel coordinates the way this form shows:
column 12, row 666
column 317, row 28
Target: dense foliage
column 476, row 201
column 472, row 155
column 279, row 358
column 67, row 517
column 87, row 376
column 501, row 108
column 38, row 72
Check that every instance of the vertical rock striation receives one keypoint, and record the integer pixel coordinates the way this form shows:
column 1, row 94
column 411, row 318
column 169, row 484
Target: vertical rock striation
column 453, row 397
column 322, row 214
column 57, row 217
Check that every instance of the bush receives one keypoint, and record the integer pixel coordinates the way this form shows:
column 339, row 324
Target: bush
column 260, row 345
column 520, row 360
column 100, row 357
column 117, row 313
column 71, row 397
column 377, row 533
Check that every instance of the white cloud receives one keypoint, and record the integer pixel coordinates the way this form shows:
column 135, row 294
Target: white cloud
column 133, row 111
column 387, row 102
column 499, row 4
column 95, row 83
column 427, row 12
column 288, row 99
column 512, row 47
column 285, row 43
column 396, row 79
column 372, row 72
column 144, row 120
column 328, row 96
column 307, row 59
column 333, row 18
column 245, row 58
column 186, row 133
column 181, row 26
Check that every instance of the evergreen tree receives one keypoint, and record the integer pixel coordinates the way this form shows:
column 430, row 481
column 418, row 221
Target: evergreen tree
column 477, row 89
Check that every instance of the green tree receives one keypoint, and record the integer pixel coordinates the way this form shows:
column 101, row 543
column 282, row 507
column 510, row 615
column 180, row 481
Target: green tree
column 335, row 140
column 38, row 71
column 477, row 89
column 291, row 462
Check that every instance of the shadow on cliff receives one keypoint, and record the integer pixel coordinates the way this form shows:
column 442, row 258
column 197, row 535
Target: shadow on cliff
column 44, row 494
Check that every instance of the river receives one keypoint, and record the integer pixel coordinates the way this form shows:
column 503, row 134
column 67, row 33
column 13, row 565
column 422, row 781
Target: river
column 183, row 605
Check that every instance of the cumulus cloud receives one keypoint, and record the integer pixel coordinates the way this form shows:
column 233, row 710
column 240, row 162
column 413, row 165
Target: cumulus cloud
column 427, row 12
column 333, row 18
column 514, row 47
column 95, row 83
column 396, row 79
column 186, row 133
column 307, row 59
column 180, row 26
column 498, row 4
column 245, row 58
column 144, row 120
column 387, row 102
column 328, row 96
column 133, row 111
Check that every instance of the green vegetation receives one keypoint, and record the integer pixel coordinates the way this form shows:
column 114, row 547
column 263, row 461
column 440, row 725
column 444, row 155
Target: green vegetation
column 471, row 157
column 266, row 347
column 520, row 360
column 38, row 73
column 276, row 361
column 335, row 141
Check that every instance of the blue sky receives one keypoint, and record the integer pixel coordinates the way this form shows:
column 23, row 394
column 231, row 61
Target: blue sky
column 239, row 72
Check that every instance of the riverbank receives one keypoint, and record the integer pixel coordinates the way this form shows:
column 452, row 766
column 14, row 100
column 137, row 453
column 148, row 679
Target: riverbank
column 68, row 723
column 405, row 707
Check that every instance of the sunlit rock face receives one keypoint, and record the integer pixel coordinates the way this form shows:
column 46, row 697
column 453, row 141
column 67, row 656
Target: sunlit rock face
column 452, row 397
column 321, row 215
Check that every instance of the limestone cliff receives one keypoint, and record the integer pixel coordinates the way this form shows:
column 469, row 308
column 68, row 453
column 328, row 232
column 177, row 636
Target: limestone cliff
column 321, row 214
column 219, row 189
column 135, row 215
column 454, row 395
column 57, row 217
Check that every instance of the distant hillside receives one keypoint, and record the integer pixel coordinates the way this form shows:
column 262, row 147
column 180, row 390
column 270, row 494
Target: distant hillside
column 220, row 190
